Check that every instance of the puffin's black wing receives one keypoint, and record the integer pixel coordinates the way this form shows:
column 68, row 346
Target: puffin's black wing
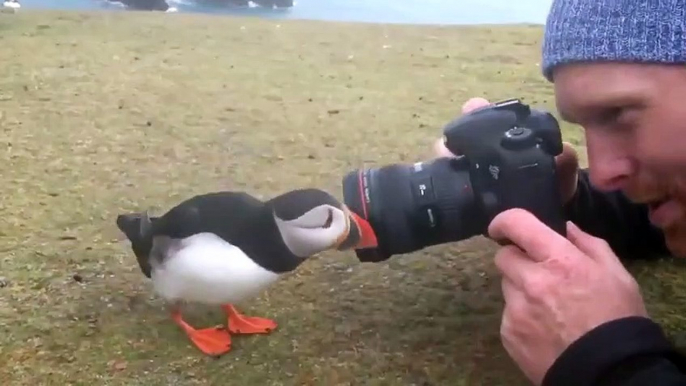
column 239, row 219
column 221, row 213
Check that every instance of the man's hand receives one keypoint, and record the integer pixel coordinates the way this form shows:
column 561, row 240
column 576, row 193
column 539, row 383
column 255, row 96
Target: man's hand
column 556, row 289
column 567, row 162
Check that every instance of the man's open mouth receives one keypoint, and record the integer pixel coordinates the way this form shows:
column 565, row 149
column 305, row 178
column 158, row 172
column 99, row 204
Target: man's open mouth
column 655, row 204
column 664, row 212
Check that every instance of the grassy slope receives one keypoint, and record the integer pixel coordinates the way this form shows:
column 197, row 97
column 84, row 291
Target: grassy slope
column 105, row 113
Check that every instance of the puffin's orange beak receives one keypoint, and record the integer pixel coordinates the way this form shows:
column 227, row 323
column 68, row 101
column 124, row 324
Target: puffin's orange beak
column 359, row 235
column 367, row 235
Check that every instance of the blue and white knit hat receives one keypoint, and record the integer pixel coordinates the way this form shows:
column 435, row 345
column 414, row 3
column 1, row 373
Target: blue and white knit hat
column 614, row 30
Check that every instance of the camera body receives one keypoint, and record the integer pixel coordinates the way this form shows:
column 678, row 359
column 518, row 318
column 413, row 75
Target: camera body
column 506, row 160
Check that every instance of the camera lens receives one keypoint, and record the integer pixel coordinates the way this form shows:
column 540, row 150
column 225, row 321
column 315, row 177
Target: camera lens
column 413, row 206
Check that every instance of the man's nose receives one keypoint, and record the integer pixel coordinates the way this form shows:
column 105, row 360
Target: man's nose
column 609, row 159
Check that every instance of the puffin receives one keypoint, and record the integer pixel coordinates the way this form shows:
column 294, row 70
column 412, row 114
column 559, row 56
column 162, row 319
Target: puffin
column 225, row 248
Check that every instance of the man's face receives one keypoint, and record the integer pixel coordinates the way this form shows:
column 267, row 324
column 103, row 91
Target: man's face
column 634, row 117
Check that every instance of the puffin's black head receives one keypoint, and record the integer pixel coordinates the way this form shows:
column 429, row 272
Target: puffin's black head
column 311, row 221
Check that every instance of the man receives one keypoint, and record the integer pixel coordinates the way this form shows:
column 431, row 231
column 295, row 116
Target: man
column 573, row 315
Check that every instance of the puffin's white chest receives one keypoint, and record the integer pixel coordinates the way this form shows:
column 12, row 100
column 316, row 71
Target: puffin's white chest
column 206, row 269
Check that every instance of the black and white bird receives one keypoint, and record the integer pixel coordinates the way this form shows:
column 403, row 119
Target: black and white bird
column 225, row 248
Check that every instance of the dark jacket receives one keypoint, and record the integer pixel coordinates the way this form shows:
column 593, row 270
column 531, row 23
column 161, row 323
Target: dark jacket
column 630, row 351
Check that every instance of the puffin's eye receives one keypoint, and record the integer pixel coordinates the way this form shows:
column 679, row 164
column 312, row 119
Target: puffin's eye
column 329, row 219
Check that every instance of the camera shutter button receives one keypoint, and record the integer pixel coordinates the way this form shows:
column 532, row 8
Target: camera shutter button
column 518, row 138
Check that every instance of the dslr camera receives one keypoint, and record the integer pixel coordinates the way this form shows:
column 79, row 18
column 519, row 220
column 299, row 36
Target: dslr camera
column 506, row 160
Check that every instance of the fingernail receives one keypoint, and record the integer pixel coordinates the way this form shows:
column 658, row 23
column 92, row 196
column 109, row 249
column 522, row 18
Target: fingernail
column 571, row 227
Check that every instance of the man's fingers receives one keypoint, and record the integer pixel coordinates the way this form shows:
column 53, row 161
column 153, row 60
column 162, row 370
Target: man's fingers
column 441, row 151
column 473, row 104
column 515, row 306
column 567, row 171
column 595, row 248
column 514, row 266
column 526, row 231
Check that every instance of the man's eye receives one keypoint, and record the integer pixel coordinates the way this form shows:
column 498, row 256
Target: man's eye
column 610, row 116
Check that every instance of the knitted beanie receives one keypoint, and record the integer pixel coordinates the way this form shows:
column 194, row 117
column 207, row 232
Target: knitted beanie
column 648, row 31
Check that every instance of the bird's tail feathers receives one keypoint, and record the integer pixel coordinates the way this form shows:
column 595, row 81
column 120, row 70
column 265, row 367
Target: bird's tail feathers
column 132, row 224
column 145, row 226
column 138, row 228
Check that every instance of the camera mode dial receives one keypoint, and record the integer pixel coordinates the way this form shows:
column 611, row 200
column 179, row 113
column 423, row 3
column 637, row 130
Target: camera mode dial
column 518, row 138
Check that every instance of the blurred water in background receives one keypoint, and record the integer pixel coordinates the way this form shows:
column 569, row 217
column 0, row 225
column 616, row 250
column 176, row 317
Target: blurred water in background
column 381, row 11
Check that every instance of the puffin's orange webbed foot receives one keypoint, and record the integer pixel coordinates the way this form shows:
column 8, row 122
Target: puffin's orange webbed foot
column 241, row 324
column 213, row 341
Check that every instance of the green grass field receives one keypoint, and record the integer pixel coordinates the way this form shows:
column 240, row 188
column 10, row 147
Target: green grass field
column 104, row 113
